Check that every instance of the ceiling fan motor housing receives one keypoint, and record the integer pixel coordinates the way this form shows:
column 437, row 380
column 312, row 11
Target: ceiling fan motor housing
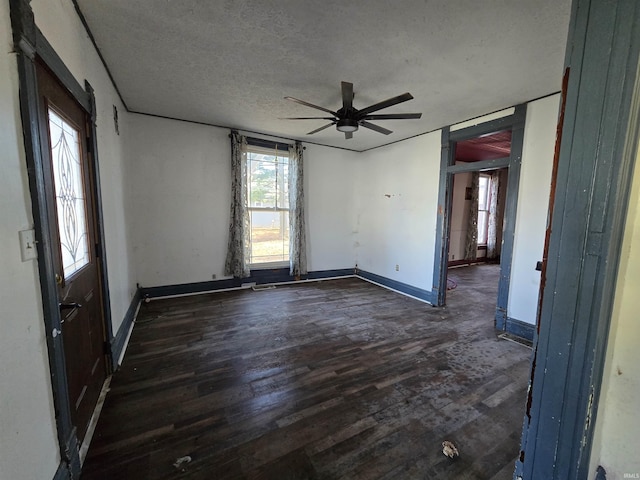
column 347, row 125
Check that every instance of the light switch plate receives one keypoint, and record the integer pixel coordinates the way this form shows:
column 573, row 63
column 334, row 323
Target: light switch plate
column 28, row 245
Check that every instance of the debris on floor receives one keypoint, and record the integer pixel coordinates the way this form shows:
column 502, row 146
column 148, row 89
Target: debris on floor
column 180, row 462
column 449, row 449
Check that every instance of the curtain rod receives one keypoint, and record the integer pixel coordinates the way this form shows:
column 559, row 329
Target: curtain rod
column 261, row 142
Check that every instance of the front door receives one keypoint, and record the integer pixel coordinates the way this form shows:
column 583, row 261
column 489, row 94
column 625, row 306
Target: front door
column 64, row 126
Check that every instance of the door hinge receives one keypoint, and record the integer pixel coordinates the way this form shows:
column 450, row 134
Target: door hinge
column 98, row 250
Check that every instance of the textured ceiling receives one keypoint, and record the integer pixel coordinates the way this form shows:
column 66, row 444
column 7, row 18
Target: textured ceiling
column 231, row 62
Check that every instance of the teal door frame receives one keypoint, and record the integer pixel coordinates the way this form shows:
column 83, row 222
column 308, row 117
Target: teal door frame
column 600, row 134
column 515, row 123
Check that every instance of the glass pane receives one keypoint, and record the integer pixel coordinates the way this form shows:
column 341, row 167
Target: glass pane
column 70, row 201
column 262, row 181
column 283, row 182
column 269, row 236
column 483, row 219
column 483, row 192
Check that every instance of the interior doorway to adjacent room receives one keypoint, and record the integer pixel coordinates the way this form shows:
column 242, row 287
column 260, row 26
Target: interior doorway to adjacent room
column 480, row 171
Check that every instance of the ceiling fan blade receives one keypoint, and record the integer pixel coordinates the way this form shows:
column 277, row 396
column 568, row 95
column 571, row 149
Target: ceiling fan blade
column 321, row 128
column 306, row 118
column 347, row 95
column 302, row 102
column 348, row 135
column 384, row 104
column 393, row 116
column 377, row 128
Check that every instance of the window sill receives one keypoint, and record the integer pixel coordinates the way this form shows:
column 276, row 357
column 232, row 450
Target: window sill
column 268, row 266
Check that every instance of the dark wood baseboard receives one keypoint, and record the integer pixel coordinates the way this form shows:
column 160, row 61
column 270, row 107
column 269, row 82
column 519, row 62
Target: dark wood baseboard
column 259, row 277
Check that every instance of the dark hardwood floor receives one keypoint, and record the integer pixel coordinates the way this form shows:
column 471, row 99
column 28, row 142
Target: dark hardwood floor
column 326, row 380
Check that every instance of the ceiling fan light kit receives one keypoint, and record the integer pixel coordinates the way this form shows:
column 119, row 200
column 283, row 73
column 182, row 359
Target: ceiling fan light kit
column 348, row 119
column 347, row 125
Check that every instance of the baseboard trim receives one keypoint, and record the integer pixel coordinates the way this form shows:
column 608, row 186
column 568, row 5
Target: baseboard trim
column 520, row 329
column 93, row 423
column 119, row 341
column 258, row 277
column 396, row 286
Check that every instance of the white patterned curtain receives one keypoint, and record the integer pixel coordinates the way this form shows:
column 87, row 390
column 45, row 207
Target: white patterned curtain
column 492, row 230
column 297, row 224
column 237, row 263
column 471, row 241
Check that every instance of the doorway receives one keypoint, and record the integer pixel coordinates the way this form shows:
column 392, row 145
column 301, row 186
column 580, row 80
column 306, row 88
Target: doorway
column 468, row 153
column 476, row 217
column 73, row 238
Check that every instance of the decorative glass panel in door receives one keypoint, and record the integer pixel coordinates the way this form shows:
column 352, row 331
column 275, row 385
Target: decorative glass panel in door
column 69, row 190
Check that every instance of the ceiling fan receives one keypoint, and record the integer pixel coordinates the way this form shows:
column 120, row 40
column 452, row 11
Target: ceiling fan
column 349, row 118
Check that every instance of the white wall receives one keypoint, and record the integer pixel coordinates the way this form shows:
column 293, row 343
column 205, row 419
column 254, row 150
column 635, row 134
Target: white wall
column 28, row 443
column 329, row 200
column 459, row 216
column 533, row 207
column 615, row 444
column 397, row 195
column 179, row 191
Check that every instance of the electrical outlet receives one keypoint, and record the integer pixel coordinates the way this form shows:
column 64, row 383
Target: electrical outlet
column 397, row 267
column 214, row 276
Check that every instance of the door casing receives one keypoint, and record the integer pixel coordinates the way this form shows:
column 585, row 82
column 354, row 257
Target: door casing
column 515, row 123
column 83, row 330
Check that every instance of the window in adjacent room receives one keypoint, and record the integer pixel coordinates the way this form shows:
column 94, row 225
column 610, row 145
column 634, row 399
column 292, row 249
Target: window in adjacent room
column 268, row 198
column 483, row 208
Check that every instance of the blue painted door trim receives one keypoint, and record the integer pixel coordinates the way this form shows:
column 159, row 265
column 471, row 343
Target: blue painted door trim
column 445, row 194
column 509, row 229
column 515, row 123
column 597, row 155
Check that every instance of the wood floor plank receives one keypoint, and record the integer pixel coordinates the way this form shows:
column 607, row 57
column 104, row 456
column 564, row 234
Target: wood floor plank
column 327, row 380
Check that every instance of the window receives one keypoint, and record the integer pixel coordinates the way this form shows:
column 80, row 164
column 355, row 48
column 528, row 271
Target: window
column 268, row 197
column 483, row 208
column 70, row 199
